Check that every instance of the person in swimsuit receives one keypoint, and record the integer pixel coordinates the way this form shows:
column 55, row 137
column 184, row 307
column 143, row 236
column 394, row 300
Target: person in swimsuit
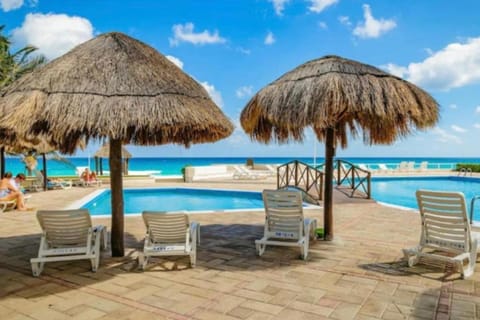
column 8, row 192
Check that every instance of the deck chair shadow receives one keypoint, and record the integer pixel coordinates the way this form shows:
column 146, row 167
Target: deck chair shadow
column 169, row 234
column 446, row 235
column 285, row 224
column 68, row 235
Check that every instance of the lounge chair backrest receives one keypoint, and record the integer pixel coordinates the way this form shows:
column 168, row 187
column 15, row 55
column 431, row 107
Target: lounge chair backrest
column 444, row 220
column 167, row 227
column 66, row 227
column 284, row 214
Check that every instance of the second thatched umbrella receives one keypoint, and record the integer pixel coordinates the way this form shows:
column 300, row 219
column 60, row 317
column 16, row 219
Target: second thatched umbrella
column 114, row 87
column 337, row 96
column 104, row 152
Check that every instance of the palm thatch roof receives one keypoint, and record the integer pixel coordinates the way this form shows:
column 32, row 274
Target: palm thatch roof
column 113, row 86
column 333, row 92
column 104, row 152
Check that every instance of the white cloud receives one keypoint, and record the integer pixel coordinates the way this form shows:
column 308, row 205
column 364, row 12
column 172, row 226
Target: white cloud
column 398, row 71
column 269, row 39
column 8, row 5
column 53, row 34
column 429, row 51
column 244, row 51
column 371, row 27
column 185, row 33
column 279, row 6
column 476, row 125
column 245, row 91
column 477, row 109
column 454, row 66
column 445, row 137
column 320, row 5
column 213, row 93
column 345, row 20
column 323, row 25
column 453, row 106
column 458, row 129
column 176, row 61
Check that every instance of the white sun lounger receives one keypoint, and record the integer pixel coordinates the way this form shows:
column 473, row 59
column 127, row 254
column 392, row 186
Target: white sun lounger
column 7, row 205
column 169, row 234
column 284, row 222
column 68, row 235
column 445, row 229
column 245, row 173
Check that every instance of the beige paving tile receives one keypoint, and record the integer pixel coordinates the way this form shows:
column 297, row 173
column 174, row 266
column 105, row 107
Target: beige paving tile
column 360, row 275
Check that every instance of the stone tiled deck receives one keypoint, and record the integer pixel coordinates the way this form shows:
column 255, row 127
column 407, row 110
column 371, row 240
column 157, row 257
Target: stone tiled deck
column 360, row 275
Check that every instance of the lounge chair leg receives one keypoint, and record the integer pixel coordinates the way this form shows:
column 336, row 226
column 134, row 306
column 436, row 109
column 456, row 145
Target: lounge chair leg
column 142, row 261
column 36, row 269
column 260, row 248
column 193, row 259
column 304, row 250
column 105, row 239
column 95, row 262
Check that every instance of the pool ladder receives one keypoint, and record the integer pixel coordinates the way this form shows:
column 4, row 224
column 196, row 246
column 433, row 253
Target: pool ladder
column 472, row 205
column 465, row 171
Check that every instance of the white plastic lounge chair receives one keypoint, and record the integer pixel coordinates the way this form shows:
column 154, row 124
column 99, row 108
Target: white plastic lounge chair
column 383, row 168
column 68, row 235
column 169, row 234
column 245, row 173
column 423, row 166
column 411, row 166
column 7, row 205
column 445, row 229
column 403, row 166
column 39, row 179
column 364, row 167
column 284, row 222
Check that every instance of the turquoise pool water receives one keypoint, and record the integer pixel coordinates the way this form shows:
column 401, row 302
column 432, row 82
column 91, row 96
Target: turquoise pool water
column 174, row 199
column 401, row 191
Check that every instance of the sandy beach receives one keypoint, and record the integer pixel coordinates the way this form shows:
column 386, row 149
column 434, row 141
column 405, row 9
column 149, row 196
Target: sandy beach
column 359, row 275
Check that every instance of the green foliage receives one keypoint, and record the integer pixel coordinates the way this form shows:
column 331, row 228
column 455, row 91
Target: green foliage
column 14, row 65
column 475, row 167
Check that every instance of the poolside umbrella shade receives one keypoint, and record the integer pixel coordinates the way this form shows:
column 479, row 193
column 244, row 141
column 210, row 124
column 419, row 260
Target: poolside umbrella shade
column 337, row 97
column 119, row 88
column 104, row 152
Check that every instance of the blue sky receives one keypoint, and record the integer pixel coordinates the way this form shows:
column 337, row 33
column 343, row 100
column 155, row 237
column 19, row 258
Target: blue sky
column 234, row 48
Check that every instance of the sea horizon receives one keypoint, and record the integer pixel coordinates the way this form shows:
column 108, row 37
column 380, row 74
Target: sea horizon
column 174, row 165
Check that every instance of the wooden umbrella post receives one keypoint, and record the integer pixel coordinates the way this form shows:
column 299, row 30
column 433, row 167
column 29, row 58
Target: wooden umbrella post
column 327, row 201
column 116, row 185
column 2, row 161
column 45, row 178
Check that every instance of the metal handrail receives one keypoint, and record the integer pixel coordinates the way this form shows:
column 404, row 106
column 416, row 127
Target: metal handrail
column 472, row 205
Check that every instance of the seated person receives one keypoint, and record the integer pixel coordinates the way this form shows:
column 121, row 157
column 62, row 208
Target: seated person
column 17, row 182
column 52, row 183
column 88, row 176
column 8, row 192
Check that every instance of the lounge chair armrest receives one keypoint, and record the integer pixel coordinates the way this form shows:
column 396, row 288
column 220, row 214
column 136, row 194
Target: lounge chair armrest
column 195, row 232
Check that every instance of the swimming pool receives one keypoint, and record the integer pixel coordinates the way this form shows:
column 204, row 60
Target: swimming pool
column 175, row 199
column 401, row 190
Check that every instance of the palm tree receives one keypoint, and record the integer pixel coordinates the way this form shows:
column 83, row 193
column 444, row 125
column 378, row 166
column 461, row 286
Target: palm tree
column 13, row 66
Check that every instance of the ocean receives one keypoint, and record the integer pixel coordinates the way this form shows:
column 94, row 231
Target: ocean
column 171, row 166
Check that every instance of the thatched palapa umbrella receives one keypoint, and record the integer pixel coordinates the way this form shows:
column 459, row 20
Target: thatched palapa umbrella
column 115, row 87
column 104, row 152
column 337, row 97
